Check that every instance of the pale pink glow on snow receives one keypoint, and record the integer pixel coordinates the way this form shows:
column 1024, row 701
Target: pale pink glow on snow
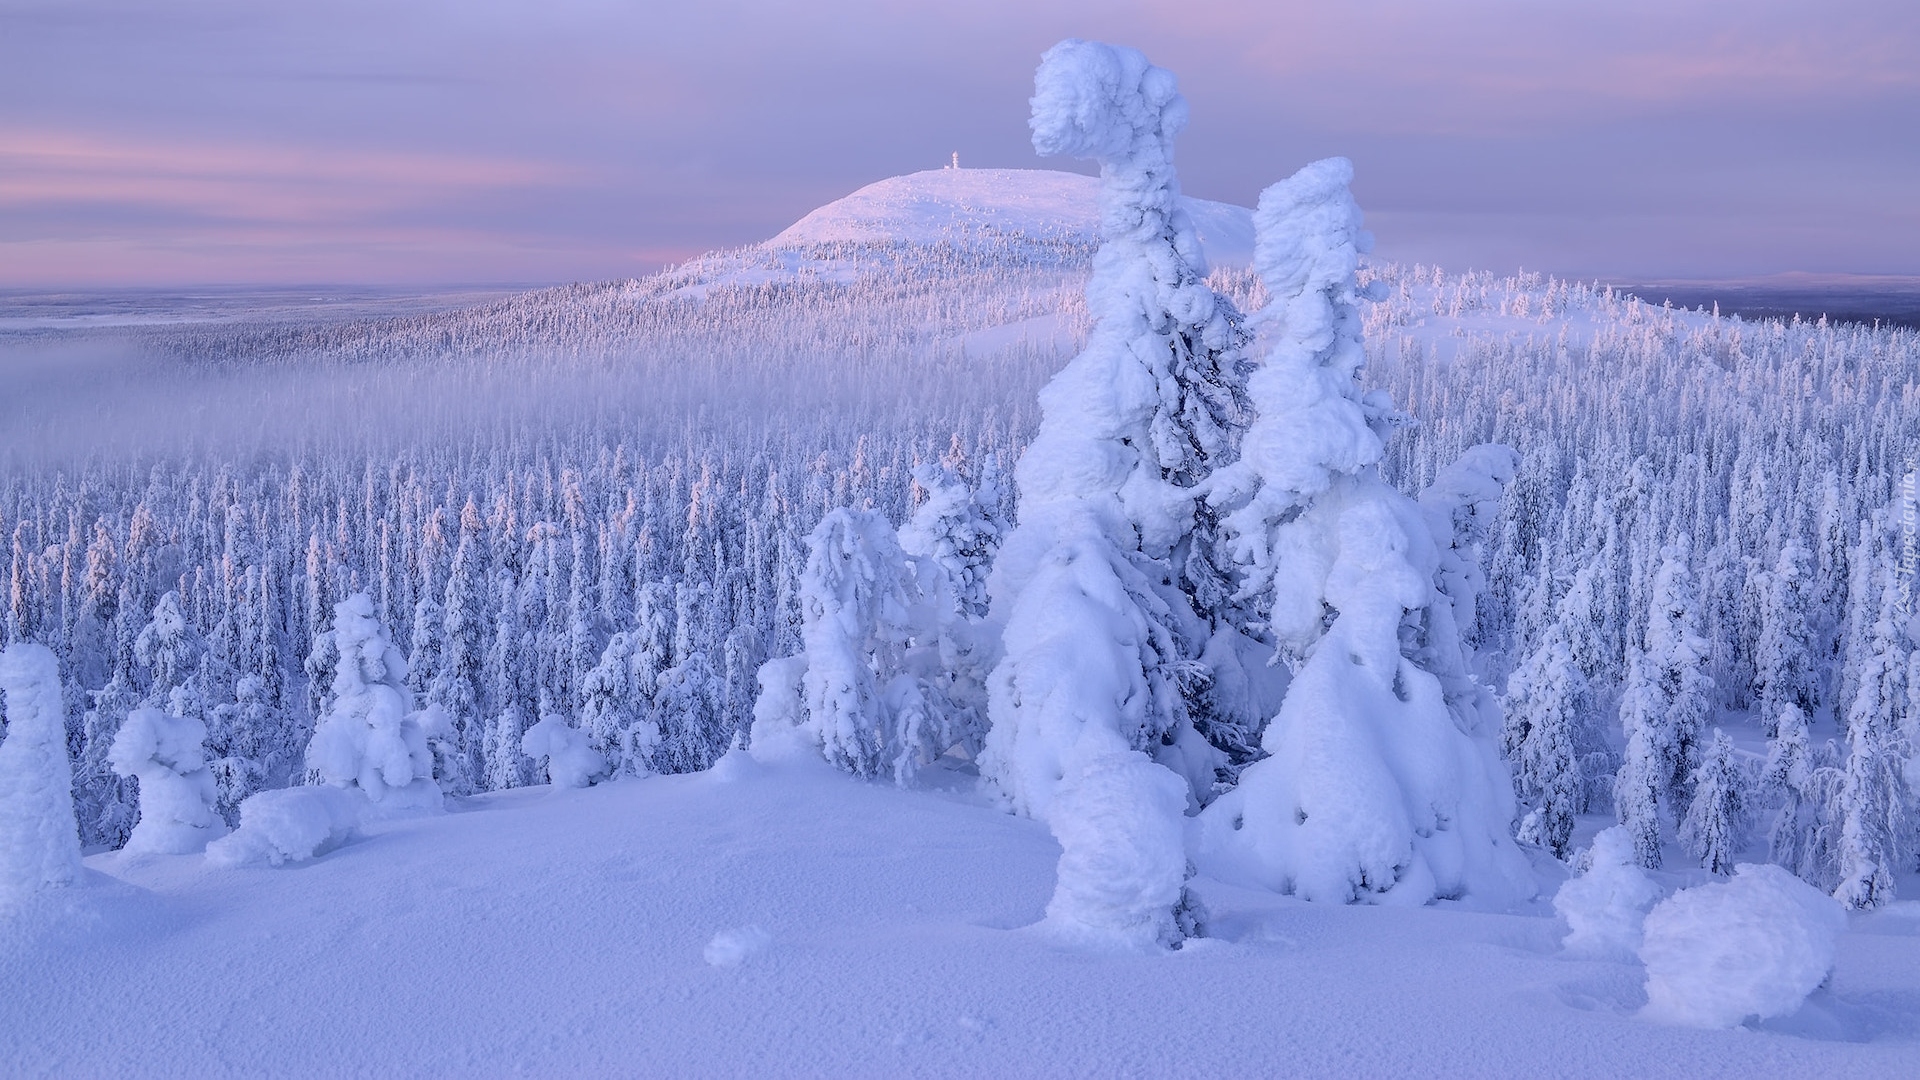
column 583, row 140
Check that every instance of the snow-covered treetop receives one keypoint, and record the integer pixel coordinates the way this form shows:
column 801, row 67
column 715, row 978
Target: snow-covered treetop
column 1109, row 104
column 1313, row 424
column 1307, row 249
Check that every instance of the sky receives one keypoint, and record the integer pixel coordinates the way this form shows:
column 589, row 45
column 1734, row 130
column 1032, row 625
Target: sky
column 172, row 142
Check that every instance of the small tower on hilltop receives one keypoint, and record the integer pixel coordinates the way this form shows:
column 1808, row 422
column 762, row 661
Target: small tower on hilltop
column 956, row 161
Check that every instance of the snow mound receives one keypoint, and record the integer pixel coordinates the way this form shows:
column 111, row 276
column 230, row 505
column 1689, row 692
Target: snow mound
column 1606, row 907
column 731, row 948
column 993, row 207
column 290, row 825
column 1753, row 946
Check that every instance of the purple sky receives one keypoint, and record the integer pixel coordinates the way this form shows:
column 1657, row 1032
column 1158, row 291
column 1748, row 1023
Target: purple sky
column 191, row 141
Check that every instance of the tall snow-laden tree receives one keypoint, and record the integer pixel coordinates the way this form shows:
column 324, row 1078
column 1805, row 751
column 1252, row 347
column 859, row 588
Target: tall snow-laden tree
column 1098, row 579
column 39, row 843
column 1373, row 786
column 954, row 531
column 870, row 685
column 458, row 683
column 1644, row 768
column 1667, row 702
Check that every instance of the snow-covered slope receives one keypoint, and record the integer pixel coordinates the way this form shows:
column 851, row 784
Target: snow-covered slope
column 971, row 207
column 612, row 931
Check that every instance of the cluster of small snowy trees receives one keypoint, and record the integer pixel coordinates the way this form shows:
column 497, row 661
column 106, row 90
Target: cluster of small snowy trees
column 1181, row 507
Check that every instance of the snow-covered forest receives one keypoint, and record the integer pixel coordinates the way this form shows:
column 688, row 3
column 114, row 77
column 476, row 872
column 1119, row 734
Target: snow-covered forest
column 519, row 485
column 1359, row 582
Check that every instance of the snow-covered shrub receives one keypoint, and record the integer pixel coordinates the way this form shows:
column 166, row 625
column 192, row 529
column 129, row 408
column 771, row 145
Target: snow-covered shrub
column 1750, row 947
column 366, row 738
column 1606, row 904
column 571, row 761
column 39, row 842
column 290, row 825
column 177, row 789
column 1376, row 786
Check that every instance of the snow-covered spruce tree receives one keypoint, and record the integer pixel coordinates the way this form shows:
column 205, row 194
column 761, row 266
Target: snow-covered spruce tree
column 1374, row 788
column 39, row 842
column 1545, row 706
column 1643, row 774
column 177, row 790
column 873, row 692
column 1785, row 663
column 1666, row 703
column 1876, row 812
column 1099, row 639
column 1714, row 829
column 366, row 737
column 955, row 531
column 1805, row 782
column 616, row 706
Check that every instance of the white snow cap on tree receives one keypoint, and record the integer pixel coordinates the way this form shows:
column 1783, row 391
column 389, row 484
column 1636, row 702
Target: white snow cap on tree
column 177, row 790
column 1376, row 786
column 1312, row 422
column 571, row 760
column 39, row 842
column 367, row 738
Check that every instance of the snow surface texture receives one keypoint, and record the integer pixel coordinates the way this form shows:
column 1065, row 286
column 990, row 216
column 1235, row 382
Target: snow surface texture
column 1605, row 906
column 1751, row 947
column 177, row 790
column 532, row 933
column 39, row 845
column 965, row 206
column 731, row 948
column 1379, row 783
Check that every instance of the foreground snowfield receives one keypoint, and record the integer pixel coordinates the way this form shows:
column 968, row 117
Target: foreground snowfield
column 552, row 932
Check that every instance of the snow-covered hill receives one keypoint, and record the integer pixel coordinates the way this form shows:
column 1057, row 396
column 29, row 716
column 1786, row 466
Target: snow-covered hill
column 788, row 920
column 976, row 207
